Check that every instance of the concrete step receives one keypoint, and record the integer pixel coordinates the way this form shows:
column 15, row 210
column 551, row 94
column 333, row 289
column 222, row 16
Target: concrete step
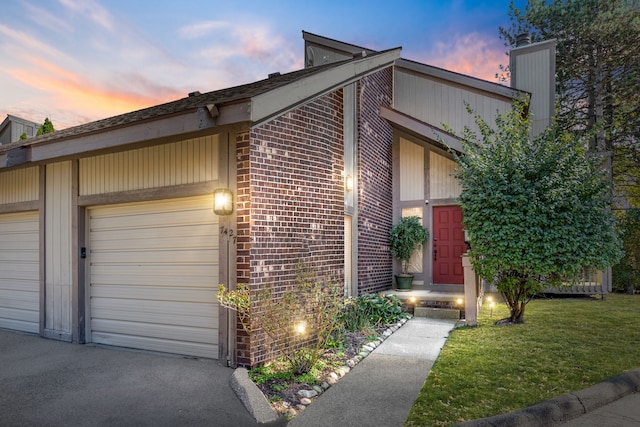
column 436, row 313
column 430, row 303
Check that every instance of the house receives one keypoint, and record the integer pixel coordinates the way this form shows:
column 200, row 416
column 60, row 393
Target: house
column 108, row 232
column 12, row 128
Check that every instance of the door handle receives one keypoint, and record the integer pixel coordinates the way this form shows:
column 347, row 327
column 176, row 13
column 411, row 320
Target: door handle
column 435, row 254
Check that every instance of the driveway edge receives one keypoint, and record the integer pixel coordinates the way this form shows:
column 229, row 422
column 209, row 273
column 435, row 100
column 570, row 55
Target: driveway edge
column 567, row 406
column 251, row 397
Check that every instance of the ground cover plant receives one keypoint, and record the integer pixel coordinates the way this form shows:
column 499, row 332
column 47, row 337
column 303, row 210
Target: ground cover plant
column 566, row 345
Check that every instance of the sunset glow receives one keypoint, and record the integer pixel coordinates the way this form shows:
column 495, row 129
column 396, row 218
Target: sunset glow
column 76, row 61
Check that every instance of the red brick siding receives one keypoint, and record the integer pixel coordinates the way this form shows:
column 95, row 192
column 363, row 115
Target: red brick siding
column 290, row 203
column 375, row 138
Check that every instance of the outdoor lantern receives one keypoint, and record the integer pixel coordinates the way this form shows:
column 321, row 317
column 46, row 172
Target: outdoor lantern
column 222, row 201
column 348, row 183
column 467, row 239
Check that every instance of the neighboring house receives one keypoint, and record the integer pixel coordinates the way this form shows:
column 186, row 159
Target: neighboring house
column 108, row 232
column 13, row 127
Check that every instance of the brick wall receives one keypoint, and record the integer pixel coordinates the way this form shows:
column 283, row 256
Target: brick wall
column 290, row 204
column 375, row 138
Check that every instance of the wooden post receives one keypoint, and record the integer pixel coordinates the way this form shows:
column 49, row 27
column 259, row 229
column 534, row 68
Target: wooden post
column 470, row 292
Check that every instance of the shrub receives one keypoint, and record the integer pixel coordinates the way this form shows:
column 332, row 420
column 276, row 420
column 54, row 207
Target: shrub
column 371, row 310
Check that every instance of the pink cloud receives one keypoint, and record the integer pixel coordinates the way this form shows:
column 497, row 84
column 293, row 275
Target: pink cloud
column 70, row 91
column 469, row 54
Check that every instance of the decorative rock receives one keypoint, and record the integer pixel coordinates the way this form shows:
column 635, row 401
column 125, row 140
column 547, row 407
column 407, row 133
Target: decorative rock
column 386, row 333
column 333, row 376
column 367, row 348
column 292, row 412
column 351, row 363
column 343, row 370
column 308, row 393
column 318, row 389
column 363, row 354
column 325, row 385
column 305, row 401
column 331, row 380
column 300, row 408
column 373, row 344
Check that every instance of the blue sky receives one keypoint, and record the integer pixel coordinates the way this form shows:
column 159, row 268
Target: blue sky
column 76, row 61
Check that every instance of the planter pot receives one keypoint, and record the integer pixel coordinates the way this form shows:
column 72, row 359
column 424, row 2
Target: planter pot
column 404, row 282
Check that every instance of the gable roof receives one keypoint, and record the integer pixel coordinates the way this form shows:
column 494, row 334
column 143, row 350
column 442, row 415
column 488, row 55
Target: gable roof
column 253, row 103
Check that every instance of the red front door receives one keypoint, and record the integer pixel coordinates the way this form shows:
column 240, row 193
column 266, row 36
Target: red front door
column 448, row 245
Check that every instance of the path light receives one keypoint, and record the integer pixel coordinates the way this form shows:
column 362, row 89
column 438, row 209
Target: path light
column 222, row 201
column 301, row 327
column 412, row 300
column 491, row 305
column 459, row 301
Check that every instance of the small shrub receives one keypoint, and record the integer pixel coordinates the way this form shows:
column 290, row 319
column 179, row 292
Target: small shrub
column 371, row 310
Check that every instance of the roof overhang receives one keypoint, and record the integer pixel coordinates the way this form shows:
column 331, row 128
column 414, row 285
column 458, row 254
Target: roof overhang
column 488, row 88
column 420, row 129
column 284, row 98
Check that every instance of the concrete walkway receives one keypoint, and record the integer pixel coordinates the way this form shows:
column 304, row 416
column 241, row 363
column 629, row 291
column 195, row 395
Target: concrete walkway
column 381, row 389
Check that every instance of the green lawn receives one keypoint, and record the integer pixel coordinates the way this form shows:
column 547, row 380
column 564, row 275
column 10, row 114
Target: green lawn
column 564, row 346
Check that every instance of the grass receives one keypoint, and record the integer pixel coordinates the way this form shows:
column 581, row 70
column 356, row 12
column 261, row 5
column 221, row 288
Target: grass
column 565, row 345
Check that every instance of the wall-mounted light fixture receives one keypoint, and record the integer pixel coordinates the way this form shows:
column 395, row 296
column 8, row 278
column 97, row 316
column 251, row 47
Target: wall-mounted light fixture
column 467, row 239
column 222, row 201
column 348, row 183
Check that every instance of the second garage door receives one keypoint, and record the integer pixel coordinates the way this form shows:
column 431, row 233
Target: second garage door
column 153, row 276
column 19, row 272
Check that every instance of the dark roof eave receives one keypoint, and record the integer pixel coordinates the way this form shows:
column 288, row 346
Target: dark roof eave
column 420, row 128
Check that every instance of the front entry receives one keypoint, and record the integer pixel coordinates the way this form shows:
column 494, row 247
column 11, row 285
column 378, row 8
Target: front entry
column 448, row 245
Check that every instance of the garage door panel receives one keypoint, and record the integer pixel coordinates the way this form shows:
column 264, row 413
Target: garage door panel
column 188, row 230
column 159, row 219
column 19, row 315
column 150, row 276
column 176, row 257
column 151, row 330
column 20, row 271
column 168, row 293
column 18, row 257
column 19, row 299
column 200, row 241
column 162, row 312
column 17, row 283
column 154, row 276
column 18, row 224
column 155, row 344
column 17, row 325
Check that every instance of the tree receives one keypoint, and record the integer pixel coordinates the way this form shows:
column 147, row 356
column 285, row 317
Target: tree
column 46, row 127
column 598, row 85
column 598, row 76
column 537, row 209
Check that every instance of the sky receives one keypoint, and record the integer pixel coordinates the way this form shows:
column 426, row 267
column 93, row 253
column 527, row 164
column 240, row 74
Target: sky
column 76, row 61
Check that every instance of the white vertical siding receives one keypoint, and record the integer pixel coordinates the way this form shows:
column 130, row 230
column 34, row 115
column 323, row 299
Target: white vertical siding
column 443, row 183
column 416, row 261
column 184, row 162
column 438, row 102
column 58, row 247
column 19, row 185
column 411, row 171
column 533, row 75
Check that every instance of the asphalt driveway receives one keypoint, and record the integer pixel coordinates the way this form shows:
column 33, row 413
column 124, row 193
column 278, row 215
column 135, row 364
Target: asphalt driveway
column 52, row 383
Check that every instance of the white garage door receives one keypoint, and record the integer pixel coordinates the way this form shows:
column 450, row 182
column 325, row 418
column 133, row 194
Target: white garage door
column 19, row 272
column 154, row 276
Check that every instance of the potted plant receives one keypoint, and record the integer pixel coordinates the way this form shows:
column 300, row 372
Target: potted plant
column 405, row 238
